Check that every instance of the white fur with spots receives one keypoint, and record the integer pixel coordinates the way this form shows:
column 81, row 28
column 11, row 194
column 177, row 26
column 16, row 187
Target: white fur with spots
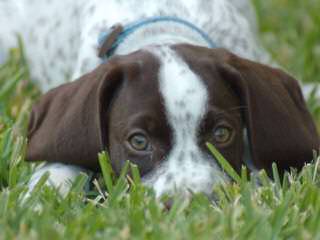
column 60, row 37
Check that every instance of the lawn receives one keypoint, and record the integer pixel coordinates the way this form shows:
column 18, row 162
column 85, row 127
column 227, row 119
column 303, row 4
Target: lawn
column 246, row 209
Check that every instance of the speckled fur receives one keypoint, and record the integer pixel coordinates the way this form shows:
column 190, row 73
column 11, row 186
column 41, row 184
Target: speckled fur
column 61, row 36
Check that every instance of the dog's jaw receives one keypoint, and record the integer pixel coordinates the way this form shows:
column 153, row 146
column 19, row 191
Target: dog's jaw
column 186, row 167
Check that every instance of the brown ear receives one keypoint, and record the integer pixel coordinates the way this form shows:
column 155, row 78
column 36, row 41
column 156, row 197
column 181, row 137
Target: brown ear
column 67, row 124
column 279, row 125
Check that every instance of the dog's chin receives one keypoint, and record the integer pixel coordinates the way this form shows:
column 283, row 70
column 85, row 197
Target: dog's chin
column 186, row 195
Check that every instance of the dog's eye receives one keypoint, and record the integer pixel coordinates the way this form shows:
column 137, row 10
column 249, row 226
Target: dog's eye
column 139, row 142
column 222, row 134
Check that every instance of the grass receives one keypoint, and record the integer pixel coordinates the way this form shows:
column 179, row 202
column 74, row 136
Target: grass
column 246, row 209
column 290, row 31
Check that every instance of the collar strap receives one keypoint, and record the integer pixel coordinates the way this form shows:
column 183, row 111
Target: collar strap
column 109, row 40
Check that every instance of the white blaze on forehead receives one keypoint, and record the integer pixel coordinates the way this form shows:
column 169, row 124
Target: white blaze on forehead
column 185, row 98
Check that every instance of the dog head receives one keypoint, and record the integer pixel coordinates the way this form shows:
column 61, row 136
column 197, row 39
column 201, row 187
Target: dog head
column 158, row 107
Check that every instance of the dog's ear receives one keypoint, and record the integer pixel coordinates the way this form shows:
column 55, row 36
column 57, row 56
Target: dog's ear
column 280, row 127
column 68, row 123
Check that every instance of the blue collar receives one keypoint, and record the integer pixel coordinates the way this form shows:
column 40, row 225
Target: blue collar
column 125, row 31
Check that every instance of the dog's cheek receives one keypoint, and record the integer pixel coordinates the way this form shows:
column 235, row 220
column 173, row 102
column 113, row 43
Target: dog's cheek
column 144, row 162
column 119, row 155
column 234, row 153
column 148, row 162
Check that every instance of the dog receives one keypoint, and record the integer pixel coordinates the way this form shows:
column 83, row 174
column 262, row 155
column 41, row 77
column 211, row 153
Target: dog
column 168, row 77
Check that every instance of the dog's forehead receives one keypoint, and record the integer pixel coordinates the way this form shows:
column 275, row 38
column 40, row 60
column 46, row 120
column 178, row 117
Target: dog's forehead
column 184, row 94
column 207, row 64
column 143, row 69
column 157, row 78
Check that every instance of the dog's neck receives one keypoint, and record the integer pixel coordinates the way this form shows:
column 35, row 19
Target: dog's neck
column 161, row 33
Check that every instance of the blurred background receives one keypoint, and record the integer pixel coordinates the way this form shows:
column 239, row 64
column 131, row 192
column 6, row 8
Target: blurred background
column 290, row 31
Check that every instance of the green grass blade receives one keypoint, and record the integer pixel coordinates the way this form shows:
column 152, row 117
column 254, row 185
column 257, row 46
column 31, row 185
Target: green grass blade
column 224, row 163
column 135, row 173
column 276, row 177
column 106, row 169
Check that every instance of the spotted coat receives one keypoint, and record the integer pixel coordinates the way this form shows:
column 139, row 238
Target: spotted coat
column 60, row 37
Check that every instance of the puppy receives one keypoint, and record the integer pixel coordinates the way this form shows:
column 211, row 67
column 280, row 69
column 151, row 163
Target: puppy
column 158, row 107
column 160, row 90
